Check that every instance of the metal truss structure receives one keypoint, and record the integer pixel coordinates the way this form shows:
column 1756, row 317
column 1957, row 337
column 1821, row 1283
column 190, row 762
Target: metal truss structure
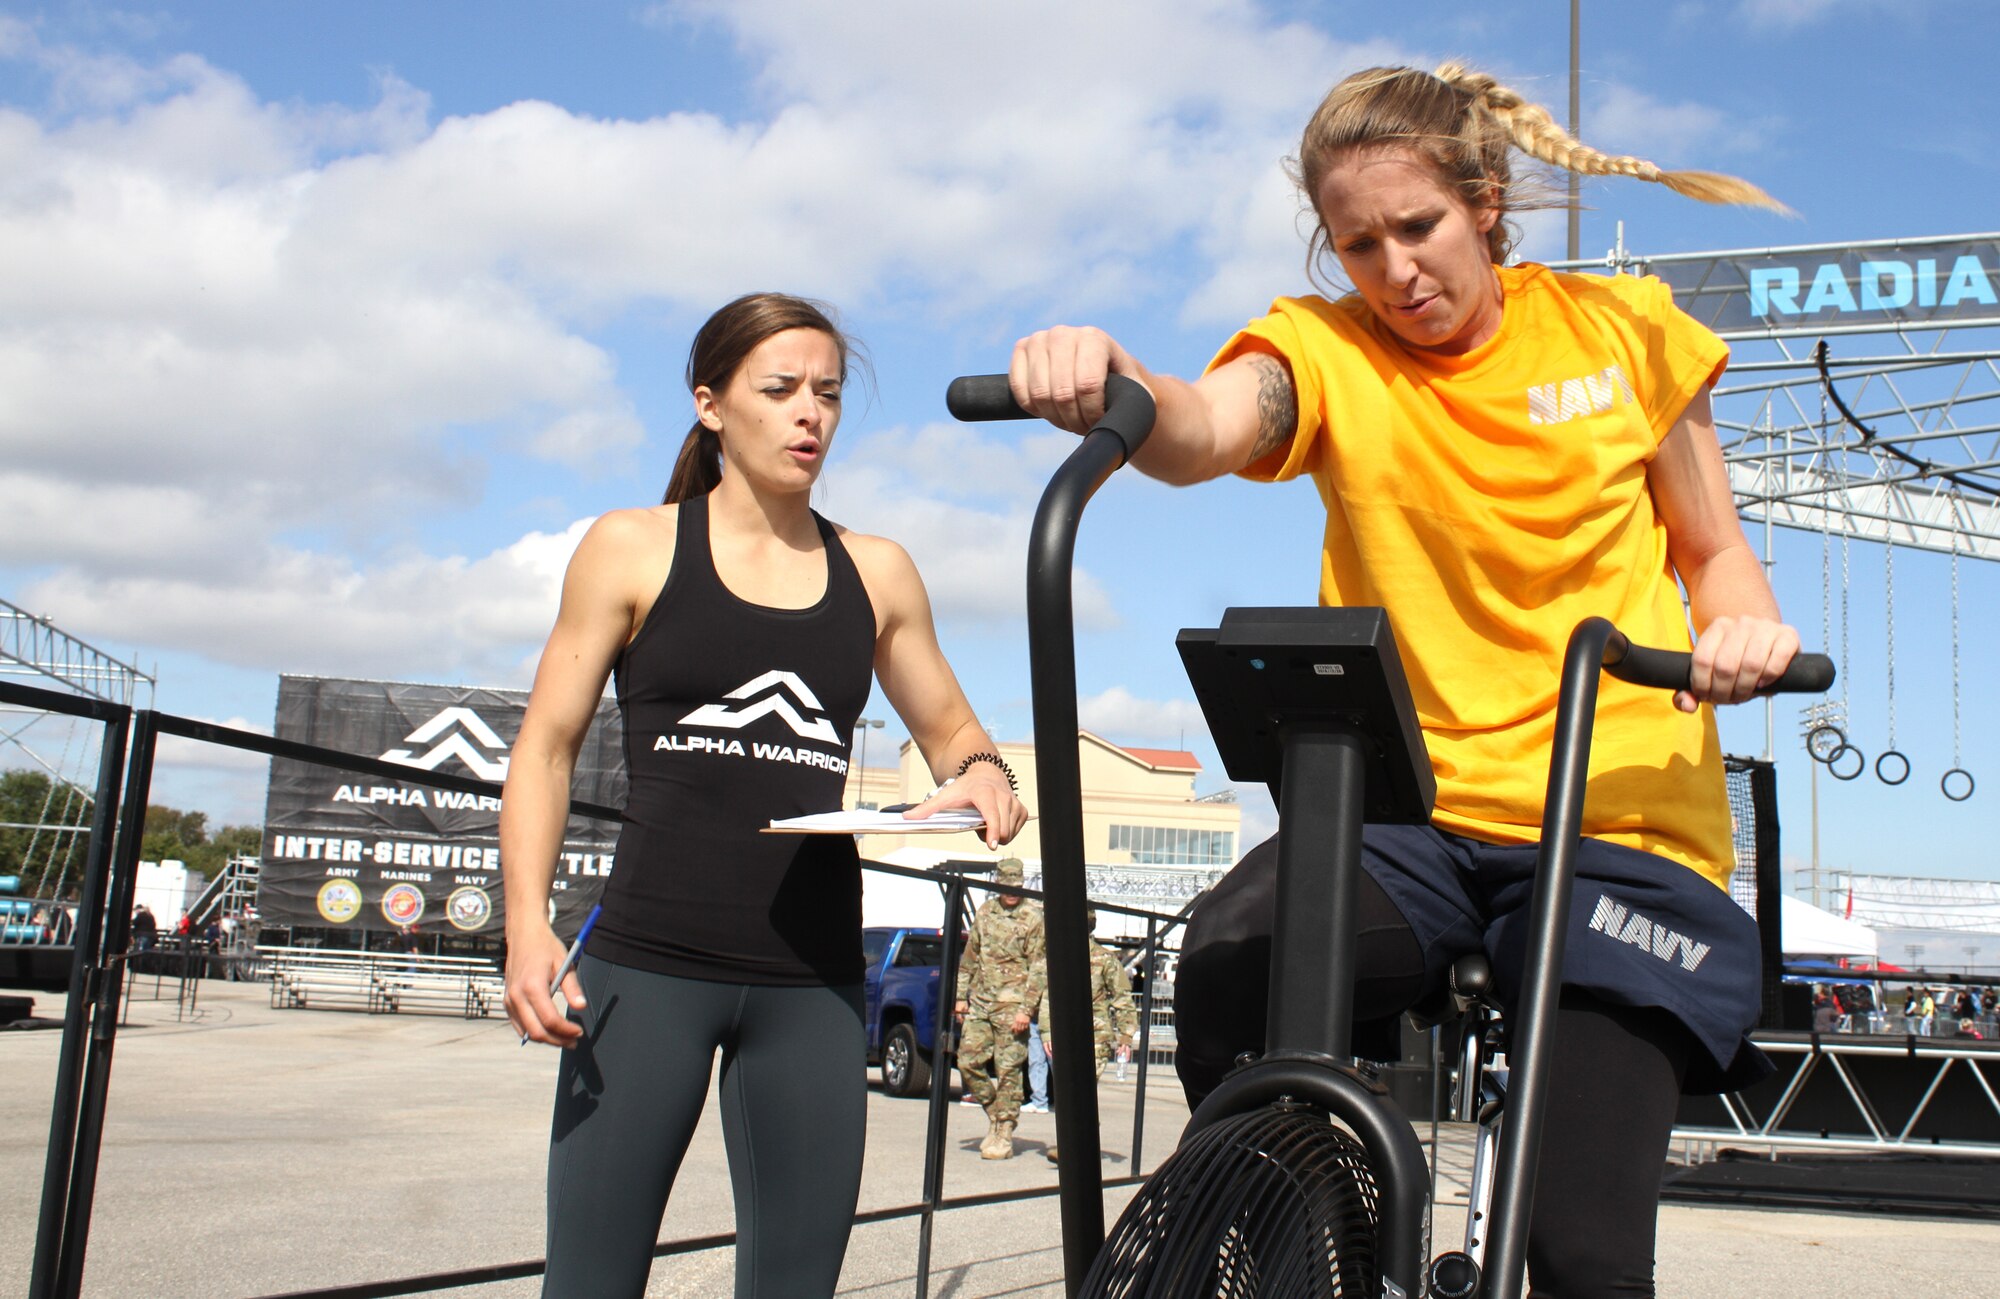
column 1950, row 906
column 1957, row 1098
column 35, row 647
column 1862, row 398
column 1131, row 885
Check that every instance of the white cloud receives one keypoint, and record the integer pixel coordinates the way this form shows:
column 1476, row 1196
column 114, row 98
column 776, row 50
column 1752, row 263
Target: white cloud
column 1683, row 134
column 421, row 617
column 1260, row 817
column 961, row 500
column 233, row 328
column 1259, row 257
column 181, row 754
column 1545, row 235
column 215, row 342
column 1079, row 144
column 280, row 317
column 1787, row 15
column 1121, row 717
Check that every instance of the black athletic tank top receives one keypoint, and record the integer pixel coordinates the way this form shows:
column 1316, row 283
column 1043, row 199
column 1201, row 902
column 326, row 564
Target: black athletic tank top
column 736, row 714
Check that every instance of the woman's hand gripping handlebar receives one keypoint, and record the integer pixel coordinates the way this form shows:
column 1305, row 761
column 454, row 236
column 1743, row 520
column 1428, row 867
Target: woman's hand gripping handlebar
column 1673, row 669
column 1128, row 407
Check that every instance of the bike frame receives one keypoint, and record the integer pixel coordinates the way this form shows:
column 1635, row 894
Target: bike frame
column 1308, row 1032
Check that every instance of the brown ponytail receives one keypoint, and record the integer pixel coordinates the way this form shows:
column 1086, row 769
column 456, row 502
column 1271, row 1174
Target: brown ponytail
column 719, row 347
column 698, row 468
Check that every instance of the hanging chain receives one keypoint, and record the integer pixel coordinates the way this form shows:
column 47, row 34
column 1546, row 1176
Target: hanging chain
column 1953, row 501
column 1846, row 591
column 1889, row 599
column 1825, row 584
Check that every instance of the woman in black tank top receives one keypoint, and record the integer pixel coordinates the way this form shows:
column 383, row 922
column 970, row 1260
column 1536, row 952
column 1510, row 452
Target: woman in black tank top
column 742, row 629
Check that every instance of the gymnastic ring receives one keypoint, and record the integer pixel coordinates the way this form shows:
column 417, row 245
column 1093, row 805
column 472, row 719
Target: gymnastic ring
column 1860, row 762
column 1885, row 755
column 1944, row 784
column 1816, row 740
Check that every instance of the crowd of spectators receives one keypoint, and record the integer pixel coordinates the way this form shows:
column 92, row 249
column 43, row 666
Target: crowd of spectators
column 220, row 948
column 1917, row 1009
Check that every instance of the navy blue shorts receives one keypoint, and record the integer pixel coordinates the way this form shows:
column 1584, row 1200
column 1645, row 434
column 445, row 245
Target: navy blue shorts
column 1643, row 931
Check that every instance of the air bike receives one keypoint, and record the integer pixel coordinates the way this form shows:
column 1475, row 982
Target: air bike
column 1299, row 1177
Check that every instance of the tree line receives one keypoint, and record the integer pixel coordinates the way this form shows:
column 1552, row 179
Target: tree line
column 45, row 835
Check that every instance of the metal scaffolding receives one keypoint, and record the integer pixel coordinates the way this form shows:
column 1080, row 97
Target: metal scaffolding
column 64, row 750
column 1130, row 884
column 1863, row 393
column 1952, row 906
column 32, row 646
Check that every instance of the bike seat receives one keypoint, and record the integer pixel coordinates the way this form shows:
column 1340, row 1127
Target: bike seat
column 1465, row 984
column 1471, row 976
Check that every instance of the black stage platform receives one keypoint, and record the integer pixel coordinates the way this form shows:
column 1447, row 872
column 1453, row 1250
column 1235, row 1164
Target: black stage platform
column 1895, row 1184
column 41, row 966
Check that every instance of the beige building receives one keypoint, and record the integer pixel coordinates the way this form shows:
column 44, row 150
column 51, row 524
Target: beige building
column 1139, row 808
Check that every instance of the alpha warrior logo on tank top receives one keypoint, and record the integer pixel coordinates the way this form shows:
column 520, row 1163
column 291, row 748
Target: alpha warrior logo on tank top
column 771, row 694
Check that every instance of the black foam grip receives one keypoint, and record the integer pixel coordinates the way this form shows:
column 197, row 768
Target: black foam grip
column 979, row 397
column 1809, row 674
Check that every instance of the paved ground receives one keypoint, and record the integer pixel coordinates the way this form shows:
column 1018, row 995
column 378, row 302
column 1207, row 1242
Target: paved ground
column 258, row 1152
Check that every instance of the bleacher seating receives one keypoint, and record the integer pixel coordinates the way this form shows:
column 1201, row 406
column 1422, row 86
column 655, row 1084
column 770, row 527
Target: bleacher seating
column 382, row 982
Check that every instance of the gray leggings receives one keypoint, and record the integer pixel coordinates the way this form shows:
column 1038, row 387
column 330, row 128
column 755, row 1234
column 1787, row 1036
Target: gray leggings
column 794, row 1111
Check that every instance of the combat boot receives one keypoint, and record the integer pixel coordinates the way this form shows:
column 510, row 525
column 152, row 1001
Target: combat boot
column 999, row 1143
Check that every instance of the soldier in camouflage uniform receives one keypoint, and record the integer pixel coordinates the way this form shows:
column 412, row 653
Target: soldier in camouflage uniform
column 1001, row 981
column 1114, row 1019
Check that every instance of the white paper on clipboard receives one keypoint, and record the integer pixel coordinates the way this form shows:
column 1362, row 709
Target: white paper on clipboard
column 953, row 820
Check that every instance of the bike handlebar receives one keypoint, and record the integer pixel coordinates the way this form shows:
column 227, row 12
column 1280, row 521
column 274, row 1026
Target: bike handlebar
column 1808, row 674
column 977, row 398
column 1128, row 407
column 1112, row 441
column 1594, row 647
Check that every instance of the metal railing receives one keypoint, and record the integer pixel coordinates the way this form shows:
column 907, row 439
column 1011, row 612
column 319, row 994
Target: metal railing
column 233, row 888
column 102, row 957
column 1957, row 1067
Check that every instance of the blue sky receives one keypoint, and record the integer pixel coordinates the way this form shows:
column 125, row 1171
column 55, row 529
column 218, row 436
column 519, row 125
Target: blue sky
column 324, row 327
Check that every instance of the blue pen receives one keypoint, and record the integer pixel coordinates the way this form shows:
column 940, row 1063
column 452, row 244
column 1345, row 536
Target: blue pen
column 575, row 951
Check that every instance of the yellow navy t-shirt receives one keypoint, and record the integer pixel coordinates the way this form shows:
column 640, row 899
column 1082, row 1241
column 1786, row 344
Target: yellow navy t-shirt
column 1492, row 501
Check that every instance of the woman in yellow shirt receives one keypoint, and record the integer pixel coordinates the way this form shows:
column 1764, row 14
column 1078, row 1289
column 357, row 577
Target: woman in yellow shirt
column 1502, row 451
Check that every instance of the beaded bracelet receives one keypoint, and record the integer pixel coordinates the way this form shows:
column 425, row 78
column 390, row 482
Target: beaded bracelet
column 996, row 760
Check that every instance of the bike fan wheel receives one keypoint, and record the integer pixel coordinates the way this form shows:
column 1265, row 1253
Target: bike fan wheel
column 1277, row 1203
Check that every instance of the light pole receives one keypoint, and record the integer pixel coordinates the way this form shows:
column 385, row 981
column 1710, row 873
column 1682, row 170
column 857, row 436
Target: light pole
column 864, row 725
column 1575, row 124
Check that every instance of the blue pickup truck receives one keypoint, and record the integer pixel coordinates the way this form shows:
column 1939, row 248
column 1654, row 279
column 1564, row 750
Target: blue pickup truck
column 902, row 990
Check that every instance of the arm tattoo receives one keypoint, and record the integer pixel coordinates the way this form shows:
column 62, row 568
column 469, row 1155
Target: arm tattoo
column 1277, row 405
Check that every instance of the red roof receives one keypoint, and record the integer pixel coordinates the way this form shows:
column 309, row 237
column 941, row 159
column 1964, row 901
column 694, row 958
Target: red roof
column 1177, row 758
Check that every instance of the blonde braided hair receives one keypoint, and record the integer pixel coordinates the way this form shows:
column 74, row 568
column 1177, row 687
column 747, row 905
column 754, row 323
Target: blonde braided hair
column 1466, row 124
column 1535, row 132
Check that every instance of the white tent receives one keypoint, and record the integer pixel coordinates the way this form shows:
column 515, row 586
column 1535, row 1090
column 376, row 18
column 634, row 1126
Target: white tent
column 1809, row 931
column 897, row 899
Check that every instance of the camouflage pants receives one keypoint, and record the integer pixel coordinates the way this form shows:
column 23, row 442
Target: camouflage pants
column 993, row 1060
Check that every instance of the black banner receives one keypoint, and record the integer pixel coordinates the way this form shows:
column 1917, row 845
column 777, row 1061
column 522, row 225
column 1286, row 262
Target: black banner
column 354, row 852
